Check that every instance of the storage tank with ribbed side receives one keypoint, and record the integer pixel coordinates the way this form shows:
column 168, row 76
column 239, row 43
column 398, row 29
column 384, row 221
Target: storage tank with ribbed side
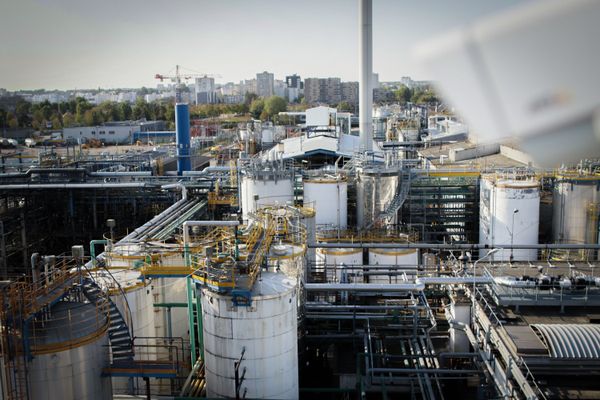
column 333, row 262
column 69, row 346
column 264, row 187
column 390, row 265
column 509, row 213
column 263, row 336
column 329, row 198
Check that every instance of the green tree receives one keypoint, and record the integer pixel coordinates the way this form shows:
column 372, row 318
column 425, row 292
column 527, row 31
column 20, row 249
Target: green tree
column 68, row 120
column 12, row 121
column 22, row 111
column 344, row 106
column 126, row 110
column 256, row 107
column 403, row 94
column 249, row 98
column 274, row 105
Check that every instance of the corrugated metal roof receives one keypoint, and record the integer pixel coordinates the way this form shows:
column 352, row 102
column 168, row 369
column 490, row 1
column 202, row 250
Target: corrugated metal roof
column 570, row 340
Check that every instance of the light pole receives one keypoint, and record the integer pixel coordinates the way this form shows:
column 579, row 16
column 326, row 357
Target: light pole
column 512, row 235
column 489, row 253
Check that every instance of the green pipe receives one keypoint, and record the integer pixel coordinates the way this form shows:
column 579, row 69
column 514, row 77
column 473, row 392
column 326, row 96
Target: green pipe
column 190, row 303
column 171, row 305
column 200, row 325
column 93, row 244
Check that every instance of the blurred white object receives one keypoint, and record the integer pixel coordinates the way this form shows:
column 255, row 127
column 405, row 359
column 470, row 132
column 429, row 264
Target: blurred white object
column 531, row 73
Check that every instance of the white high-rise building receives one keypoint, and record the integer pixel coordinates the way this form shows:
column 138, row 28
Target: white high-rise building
column 265, row 85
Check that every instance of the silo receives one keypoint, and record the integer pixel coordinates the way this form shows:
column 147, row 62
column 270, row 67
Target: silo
column 263, row 336
column 262, row 187
column 69, row 346
column 329, row 198
column 575, row 208
column 509, row 213
column 391, row 264
column 375, row 189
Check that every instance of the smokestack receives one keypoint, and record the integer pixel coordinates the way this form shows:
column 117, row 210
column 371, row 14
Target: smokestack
column 182, row 137
column 365, row 101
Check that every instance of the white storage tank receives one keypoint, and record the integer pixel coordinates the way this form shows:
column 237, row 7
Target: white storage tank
column 70, row 349
column 575, row 206
column 391, row 263
column 332, row 261
column 266, row 188
column 287, row 258
column 503, row 201
column 265, row 333
column 329, row 198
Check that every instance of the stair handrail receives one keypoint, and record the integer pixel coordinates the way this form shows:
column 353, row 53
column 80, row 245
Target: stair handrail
column 102, row 264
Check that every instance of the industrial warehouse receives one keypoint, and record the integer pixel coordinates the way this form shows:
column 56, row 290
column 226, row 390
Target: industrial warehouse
column 400, row 259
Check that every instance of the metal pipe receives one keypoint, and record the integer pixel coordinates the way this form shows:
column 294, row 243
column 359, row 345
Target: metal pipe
column 450, row 246
column 121, row 174
column 179, row 186
column 74, row 186
column 453, row 280
column 187, row 224
column 365, row 287
column 365, row 107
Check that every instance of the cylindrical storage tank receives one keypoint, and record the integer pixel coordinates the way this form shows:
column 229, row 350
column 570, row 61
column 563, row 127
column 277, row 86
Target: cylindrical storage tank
column 265, row 191
column 267, row 136
column 70, row 349
column 287, row 258
column 575, row 201
column 392, row 263
column 263, row 335
column 329, row 198
column 375, row 189
column 332, row 261
column 509, row 213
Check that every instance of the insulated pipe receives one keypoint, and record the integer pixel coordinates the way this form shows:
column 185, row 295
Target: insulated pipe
column 206, row 171
column 449, row 246
column 365, row 107
column 34, row 271
column 179, row 186
column 453, row 280
column 153, row 222
column 365, row 287
column 121, row 174
column 187, row 224
column 74, row 186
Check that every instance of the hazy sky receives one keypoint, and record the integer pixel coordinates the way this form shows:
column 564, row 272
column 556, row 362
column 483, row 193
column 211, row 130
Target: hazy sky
column 68, row 44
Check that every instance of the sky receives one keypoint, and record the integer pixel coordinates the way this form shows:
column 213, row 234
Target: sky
column 77, row 44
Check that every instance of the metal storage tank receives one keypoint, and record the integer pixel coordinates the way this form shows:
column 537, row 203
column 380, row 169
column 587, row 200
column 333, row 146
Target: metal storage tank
column 509, row 212
column 399, row 260
column 288, row 258
column 375, row 189
column 575, row 209
column 134, row 298
column 266, row 187
column 70, row 349
column 330, row 261
column 265, row 333
column 329, row 198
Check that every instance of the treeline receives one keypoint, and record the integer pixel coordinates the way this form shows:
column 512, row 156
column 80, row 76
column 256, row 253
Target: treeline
column 417, row 96
column 78, row 112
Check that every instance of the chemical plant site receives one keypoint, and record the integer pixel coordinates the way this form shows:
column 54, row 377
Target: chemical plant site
column 410, row 251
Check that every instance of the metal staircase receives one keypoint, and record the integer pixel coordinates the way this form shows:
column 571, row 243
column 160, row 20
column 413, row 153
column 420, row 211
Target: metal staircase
column 118, row 331
column 397, row 201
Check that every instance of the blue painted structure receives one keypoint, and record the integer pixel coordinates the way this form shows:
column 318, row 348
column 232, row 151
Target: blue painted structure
column 182, row 137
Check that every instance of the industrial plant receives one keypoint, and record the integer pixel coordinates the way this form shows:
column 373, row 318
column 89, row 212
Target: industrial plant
column 399, row 259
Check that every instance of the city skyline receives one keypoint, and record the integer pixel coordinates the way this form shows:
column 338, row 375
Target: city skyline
column 57, row 45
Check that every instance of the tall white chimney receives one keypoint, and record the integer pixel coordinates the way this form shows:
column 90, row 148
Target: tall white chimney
column 365, row 100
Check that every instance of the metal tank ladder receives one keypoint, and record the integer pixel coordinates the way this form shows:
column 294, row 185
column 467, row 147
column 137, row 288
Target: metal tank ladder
column 118, row 332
